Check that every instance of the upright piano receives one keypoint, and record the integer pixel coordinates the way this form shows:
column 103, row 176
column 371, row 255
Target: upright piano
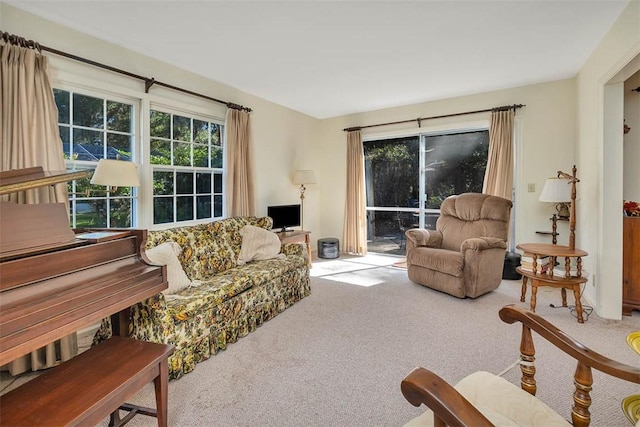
column 54, row 281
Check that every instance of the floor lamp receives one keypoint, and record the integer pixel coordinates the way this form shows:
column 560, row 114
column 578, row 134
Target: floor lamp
column 301, row 178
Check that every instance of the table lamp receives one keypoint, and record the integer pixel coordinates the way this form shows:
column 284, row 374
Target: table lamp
column 558, row 191
column 561, row 190
column 302, row 177
column 115, row 173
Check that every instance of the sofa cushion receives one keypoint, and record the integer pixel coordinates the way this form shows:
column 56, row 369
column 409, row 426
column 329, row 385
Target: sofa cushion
column 258, row 244
column 444, row 261
column 226, row 242
column 167, row 254
column 194, row 242
column 211, row 293
column 503, row 403
column 208, row 249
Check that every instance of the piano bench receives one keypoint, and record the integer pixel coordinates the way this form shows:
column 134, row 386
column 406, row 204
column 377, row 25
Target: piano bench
column 91, row 386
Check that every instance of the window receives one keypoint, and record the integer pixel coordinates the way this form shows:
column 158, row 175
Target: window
column 182, row 177
column 187, row 162
column 408, row 178
column 94, row 128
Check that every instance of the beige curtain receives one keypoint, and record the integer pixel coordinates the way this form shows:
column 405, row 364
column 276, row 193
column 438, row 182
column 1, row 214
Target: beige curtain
column 239, row 165
column 355, row 215
column 29, row 137
column 29, row 129
column 498, row 178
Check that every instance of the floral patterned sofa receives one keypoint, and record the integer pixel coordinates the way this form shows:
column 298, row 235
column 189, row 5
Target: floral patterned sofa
column 230, row 301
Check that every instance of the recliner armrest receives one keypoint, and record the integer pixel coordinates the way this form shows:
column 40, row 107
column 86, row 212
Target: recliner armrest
column 422, row 237
column 482, row 243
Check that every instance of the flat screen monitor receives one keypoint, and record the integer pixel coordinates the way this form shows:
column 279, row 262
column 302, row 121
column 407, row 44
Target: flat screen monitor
column 284, row 216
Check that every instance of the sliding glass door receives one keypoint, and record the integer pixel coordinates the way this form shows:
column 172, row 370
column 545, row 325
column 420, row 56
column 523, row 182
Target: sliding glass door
column 408, row 178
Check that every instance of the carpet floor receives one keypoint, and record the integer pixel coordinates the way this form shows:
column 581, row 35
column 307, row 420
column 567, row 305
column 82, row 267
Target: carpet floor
column 337, row 357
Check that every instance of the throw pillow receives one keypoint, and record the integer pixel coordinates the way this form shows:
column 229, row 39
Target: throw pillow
column 258, row 244
column 167, row 254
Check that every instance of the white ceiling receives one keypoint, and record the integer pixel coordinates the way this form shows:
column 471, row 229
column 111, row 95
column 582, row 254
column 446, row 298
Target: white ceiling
column 330, row 58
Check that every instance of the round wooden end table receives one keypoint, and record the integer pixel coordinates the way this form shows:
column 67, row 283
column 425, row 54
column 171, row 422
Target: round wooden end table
column 572, row 279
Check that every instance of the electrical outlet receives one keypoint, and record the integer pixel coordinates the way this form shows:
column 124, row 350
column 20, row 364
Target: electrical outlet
column 531, row 187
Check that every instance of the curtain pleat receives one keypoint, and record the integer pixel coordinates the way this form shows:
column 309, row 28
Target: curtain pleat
column 240, row 198
column 29, row 137
column 355, row 217
column 498, row 177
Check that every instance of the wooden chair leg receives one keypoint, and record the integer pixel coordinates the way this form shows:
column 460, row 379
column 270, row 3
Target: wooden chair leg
column 583, row 381
column 527, row 366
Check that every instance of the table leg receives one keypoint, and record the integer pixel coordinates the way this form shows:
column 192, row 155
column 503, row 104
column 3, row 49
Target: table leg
column 563, row 292
column 162, row 391
column 524, row 289
column 534, row 292
column 576, row 294
column 120, row 323
column 307, row 241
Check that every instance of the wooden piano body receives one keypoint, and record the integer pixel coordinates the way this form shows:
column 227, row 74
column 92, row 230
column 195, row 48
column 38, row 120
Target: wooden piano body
column 54, row 282
column 46, row 296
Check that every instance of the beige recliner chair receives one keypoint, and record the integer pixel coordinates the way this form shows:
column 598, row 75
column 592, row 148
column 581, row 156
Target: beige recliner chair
column 464, row 255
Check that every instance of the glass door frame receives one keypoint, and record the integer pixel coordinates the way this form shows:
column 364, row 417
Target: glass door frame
column 422, row 166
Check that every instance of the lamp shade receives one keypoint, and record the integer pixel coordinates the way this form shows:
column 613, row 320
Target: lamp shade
column 116, row 173
column 301, row 177
column 556, row 190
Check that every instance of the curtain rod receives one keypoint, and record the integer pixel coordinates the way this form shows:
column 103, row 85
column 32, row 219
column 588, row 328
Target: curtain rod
column 148, row 82
column 420, row 119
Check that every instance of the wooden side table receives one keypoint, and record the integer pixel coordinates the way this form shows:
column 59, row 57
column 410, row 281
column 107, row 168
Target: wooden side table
column 566, row 281
column 297, row 236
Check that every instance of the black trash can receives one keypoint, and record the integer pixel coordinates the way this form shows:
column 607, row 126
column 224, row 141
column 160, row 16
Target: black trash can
column 328, row 248
column 511, row 261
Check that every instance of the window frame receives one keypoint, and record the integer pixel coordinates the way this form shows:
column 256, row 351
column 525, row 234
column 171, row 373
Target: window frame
column 84, row 79
column 420, row 134
column 73, row 164
column 181, row 111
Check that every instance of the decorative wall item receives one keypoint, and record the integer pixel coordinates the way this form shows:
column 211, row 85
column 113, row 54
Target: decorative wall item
column 631, row 208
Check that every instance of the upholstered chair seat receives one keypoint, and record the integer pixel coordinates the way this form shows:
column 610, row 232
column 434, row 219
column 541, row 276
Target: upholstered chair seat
column 464, row 255
column 483, row 399
column 502, row 403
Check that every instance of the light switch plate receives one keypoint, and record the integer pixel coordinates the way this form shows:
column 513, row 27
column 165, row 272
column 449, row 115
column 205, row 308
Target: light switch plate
column 531, row 187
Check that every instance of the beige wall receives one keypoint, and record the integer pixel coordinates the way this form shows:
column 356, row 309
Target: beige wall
column 545, row 144
column 600, row 157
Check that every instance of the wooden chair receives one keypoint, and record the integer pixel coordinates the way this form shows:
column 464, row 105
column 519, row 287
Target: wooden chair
column 484, row 399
